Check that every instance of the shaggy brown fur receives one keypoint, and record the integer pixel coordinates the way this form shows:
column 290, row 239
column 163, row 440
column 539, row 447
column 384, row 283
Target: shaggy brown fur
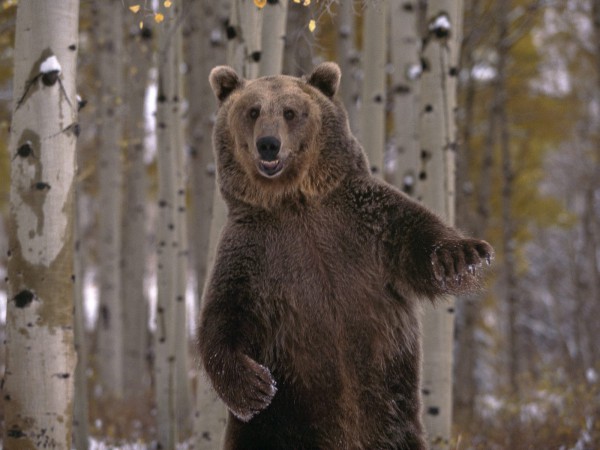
column 310, row 328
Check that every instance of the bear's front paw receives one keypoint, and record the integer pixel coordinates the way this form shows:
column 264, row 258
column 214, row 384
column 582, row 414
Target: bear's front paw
column 251, row 390
column 455, row 262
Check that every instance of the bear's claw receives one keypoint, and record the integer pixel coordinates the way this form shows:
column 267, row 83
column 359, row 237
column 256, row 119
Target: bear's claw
column 457, row 260
column 254, row 391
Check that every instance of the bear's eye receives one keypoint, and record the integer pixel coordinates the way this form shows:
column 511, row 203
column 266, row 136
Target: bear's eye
column 254, row 113
column 289, row 114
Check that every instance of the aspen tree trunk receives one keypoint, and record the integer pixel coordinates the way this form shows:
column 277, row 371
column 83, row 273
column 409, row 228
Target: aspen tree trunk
column 80, row 408
column 508, row 226
column 372, row 110
column 183, row 401
column 206, row 48
column 164, row 363
column 438, row 142
column 273, row 37
column 110, row 174
column 406, row 61
column 348, row 59
column 171, row 365
column 300, row 41
column 244, row 32
column 475, row 222
column 40, row 355
column 206, row 43
column 135, row 306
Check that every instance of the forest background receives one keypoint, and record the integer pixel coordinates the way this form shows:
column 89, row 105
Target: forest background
column 526, row 351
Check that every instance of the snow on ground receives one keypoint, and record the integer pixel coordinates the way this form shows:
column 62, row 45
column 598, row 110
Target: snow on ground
column 97, row 445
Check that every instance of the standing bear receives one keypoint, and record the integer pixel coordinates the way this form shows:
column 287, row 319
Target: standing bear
column 310, row 325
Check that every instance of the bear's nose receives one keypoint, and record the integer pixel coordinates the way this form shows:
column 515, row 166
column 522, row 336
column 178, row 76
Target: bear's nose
column 268, row 147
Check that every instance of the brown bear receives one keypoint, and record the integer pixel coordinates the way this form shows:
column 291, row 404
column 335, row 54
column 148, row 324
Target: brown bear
column 309, row 330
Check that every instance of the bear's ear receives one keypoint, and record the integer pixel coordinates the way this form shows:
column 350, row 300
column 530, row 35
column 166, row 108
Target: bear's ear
column 224, row 81
column 326, row 78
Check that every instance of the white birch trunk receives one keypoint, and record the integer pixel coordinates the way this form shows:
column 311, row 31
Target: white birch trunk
column 183, row 400
column 406, row 61
column 110, row 174
column 135, row 306
column 206, row 47
column 472, row 216
column 299, row 48
column 372, row 109
column 171, row 365
column 80, row 408
column 206, row 43
column 164, row 363
column 274, row 19
column 40, row 356
column 244, row 48
column 348, row 58
column 438, row 141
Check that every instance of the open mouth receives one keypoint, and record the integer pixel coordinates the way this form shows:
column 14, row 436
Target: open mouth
column 270, row 168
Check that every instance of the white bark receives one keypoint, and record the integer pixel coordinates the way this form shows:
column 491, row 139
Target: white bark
column 40, row 356
column 472, row 216
column 206, row 46
column 110, row 174
column 372, row 109
column 438, row 140
column 80, row 408
column 244, row 51
column 273, row 37
column 164, row 364
column 171, row 367
column 135, row 306
column 183, row 400
column 406, row 62
column 206, row 43
column 299, row 48
column 348, row 57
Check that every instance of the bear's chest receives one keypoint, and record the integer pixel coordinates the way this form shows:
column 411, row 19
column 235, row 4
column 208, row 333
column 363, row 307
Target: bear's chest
column 323, row 286
column 319, row 260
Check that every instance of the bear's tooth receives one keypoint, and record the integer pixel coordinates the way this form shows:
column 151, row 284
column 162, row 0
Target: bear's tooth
column 270, row 164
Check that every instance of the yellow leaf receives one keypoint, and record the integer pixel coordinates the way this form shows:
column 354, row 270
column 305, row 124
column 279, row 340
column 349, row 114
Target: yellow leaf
column 297, row 1
column 158, row 17
column 306, row 2
column 134, row 8
column 8, row 4
column 312, row 25
column 260, row 3
column 141, row 24
column 167, row 3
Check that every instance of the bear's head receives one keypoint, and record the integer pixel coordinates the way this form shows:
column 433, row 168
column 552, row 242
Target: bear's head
column 281, row 137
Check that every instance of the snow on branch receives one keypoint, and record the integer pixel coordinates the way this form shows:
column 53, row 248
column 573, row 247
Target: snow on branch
column 440, row 26
column 50, row 64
